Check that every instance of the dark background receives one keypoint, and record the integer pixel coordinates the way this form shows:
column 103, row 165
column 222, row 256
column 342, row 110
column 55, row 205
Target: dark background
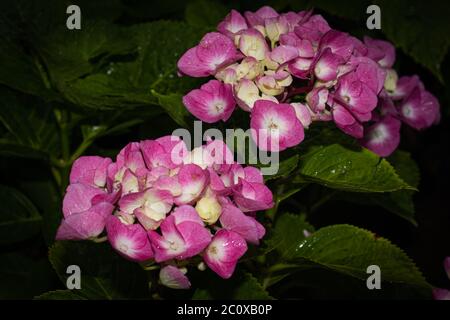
column 24, row 268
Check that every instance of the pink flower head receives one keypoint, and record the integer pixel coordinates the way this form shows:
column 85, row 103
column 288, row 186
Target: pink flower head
column 214, row 51
column 381, row 51
column 232, row 24
column 252, row 196
column 129, row 241
column 275, row 127
column 174, row 278
column 235, row 220
column 90, row 170
column 212, row 102
column 224, row 251
column 383, row 137
column 420, row 110
column 183, row 236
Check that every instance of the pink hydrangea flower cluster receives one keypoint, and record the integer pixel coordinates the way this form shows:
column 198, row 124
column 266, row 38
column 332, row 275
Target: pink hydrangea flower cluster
column 260, row 60
column 160, row 202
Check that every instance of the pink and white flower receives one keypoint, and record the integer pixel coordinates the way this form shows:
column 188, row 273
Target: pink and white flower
column 212, row 102
column 224, row 251
column 213, row 52
column 382, row 137
column 183, row 236
column 275, row 127
column 130, row 241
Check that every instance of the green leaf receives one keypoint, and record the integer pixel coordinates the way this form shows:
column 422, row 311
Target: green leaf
column 359, row 170
column 19, row 219
column 399, row 202
column 350, row 250
column 241, row 286
column 204, row 13
column 104, row 274
column 173, row 105
column 289, row 231
column 285, row 168
column 70, row 55
column 129, row 83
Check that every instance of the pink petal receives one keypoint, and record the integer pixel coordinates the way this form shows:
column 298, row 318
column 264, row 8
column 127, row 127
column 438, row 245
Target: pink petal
column 90, row 170
column 211, row 105
column 191, row 65
column 252, row 196
column 235, row 220
column 85, row 225
column 129, row 241
column 326, row 68
column 441, row 294
column 275, row 127
column 173, row 278
column 216, row 50
column 78, row 198
column 193, row 181
column 224, row 252
column 232, row 24
column 383, row 137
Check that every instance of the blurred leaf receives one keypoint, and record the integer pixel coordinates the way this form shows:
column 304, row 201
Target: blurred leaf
column 22, row 277
column 19, row 219
column 30, row 124
column 241, row 286
column 419, row 28
column 337, row 167
column 61, row 295
column 11, row 149
column 45, row 196
column 104, row 274
column 204, row 13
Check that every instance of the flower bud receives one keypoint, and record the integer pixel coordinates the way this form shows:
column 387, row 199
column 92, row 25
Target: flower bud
column 209, row 209
column 390, row 83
